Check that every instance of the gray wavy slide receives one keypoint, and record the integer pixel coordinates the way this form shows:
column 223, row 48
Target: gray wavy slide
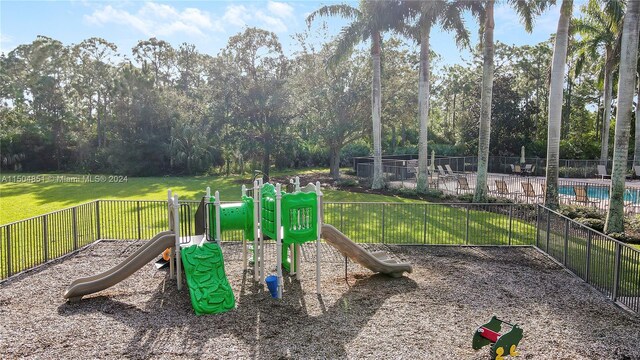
column 378, row 262
column 142, row 256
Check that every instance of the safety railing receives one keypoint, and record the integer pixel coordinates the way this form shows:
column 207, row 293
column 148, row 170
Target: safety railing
column 31, row 242
column 607, row 264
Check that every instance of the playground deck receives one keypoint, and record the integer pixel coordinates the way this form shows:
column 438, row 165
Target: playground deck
column 432, row 313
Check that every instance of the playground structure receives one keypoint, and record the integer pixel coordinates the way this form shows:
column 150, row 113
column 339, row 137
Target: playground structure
column 489, row 333
column 290, row 219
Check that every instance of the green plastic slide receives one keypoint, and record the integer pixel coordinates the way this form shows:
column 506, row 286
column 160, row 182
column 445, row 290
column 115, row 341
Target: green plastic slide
column 208, row 285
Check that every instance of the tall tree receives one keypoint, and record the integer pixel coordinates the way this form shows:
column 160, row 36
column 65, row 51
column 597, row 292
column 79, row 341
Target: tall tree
column 485, row 104
column 600, row 28
column 430, row 14
column 526, row 10
column 626, row 88
column 555, row 102
column 369, row 21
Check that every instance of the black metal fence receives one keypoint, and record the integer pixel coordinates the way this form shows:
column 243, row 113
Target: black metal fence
column 31, row 242
column 607, row 264
column 568, row 168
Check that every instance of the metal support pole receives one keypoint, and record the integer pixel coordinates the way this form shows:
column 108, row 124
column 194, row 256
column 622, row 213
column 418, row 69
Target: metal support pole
column 139, row 222
column 74, row 227
column 548, row 229
column 566, row 242
column 616, row 274
column 588, row 257
column 510, row 222
column 279, row 240
column 424, row 225
column 466, row 235
column 98, row 232
column 9, row 268
column 171, row 226
column 383, row 206
column 176, row 216
column 318, row 249
column 256, row 229
column 218, row 220
column 538, row 225
column 45, row 235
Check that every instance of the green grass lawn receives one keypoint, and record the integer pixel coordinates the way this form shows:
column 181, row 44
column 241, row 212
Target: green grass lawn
column 21, row 200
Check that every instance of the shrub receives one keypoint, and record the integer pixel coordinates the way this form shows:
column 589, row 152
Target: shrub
column 595, row 224
column 347, row 182
column 576, row 211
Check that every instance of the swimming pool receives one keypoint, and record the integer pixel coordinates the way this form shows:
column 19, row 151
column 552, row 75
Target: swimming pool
column 601, row 192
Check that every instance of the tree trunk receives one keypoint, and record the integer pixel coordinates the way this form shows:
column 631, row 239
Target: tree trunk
column 376, row 105
column 555, row 103
column 422, row 184
column 485, row 106
column 636, row 150
column 606, row 117
column 334, row 163
column 626, row 89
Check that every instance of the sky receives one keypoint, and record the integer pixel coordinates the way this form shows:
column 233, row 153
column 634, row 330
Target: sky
column 209, row 24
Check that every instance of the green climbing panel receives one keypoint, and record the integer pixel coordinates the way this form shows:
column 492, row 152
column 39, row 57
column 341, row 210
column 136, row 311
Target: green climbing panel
column 208, row 285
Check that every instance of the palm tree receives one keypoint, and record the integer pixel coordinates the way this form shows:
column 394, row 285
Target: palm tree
column 369, row 21
column 600, row 29
column 429, row 14
column 636, row 149
column 626, row 88
column 527, row 10
column 558, row 64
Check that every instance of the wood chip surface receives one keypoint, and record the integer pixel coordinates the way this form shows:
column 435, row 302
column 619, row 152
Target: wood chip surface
column 429, row 314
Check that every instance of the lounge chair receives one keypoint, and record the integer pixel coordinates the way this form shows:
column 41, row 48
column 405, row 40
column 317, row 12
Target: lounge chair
column 582, row 196
column 530, row 193
column 602, row 172
column 450, row 172
column 517, row 169
column 503, row 190
column 463, row 185
column 442, row 174
column 529, row 169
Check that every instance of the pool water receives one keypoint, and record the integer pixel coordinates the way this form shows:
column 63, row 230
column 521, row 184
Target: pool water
column 601, row 192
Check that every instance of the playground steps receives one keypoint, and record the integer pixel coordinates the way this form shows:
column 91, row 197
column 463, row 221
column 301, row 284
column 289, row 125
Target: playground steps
column 208, row 285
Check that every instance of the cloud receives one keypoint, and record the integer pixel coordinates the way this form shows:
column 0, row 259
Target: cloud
column 157, row 19
column 236, row 15
column 5, row 40
column 272, row 19
column 279, row 9
column 271, row 23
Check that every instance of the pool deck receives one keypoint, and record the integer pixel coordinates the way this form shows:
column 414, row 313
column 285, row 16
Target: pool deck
column 515, row 188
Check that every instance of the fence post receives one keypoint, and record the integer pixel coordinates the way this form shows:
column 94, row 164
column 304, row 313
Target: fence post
column 341, row 217
column 139, row 224
column 548, row 230
column 98, row 234
column 74, row 215
column 383, row 206
column 45, row 245
column 538, row 226
column 466, row 236
column 9, row 272
column 424, row 225
column 566, row 242
column 588, row 257
column 510, row 222
column 616, row 274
